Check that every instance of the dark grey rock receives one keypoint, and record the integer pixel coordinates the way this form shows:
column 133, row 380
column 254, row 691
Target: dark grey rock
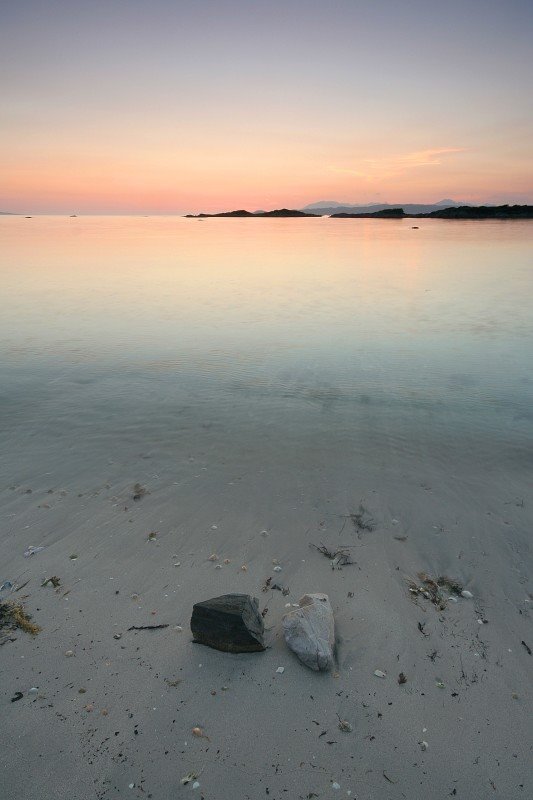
column 231, row 623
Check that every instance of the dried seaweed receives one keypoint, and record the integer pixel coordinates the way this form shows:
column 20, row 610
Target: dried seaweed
column 13, row 616
column 54, row 580
column 339, row 557
column 362, row 520
column 147, row 627
column 430, row 588
column 139, row 491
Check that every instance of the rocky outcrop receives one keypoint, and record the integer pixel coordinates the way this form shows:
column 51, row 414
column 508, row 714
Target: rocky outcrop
column 231, row 623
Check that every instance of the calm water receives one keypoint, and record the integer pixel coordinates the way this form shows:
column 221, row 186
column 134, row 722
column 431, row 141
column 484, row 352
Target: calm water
column 276, row 341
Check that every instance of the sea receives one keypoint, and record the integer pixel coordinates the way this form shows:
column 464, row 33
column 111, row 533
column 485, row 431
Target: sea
column 287, row 345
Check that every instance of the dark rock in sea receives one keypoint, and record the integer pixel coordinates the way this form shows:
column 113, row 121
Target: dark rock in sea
column 231, row 623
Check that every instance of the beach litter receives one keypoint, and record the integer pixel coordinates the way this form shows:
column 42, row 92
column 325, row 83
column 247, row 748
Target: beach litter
column 31, row 550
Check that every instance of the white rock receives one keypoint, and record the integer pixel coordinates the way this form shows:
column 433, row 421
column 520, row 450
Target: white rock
column 310, row 631
column 335, row 786
column 379, row 673
column 467, row 594
column 277, row 569
column 280, row 670
column 196, row 785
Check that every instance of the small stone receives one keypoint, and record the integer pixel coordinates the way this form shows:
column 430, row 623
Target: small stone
column 33, row 690
column 117, row 636
column 277, row 569
column 196, row 785
column 423, row 746
column 69, row 653
column 280, row 670
column 213, row 557
column 227, row 561
column 218, row 566
column 244, row 568
column 335, row 786
column 177, row 564
column 466, row 594
column 379, row 673
column 178, row 628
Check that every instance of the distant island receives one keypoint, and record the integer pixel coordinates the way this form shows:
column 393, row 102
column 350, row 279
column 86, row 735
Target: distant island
column 453, row 212
column 456, row 212
column 279, row 212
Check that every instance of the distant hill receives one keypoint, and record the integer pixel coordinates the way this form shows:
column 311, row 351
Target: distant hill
column 325, row 204
column 409, row 208
column 7, row 213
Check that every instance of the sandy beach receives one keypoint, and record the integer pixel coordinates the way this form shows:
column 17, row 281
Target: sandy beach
column 255, row 467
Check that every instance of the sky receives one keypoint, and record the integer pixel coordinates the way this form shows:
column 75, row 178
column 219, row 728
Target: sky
column 176, row 106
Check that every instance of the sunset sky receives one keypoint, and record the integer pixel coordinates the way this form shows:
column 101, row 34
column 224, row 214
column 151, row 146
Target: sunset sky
column 181, row 105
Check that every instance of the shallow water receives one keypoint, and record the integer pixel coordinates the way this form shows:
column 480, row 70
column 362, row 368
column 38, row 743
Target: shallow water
column 279, row 340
